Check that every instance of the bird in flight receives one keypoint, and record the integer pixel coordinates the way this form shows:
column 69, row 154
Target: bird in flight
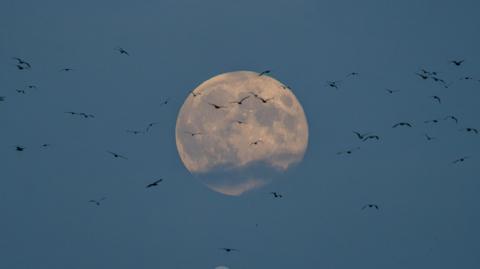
column 371, row 206
column 461, row 160
column 229, row 249
column 429, row 138
column 402, row 124
column 422, row 76
column 135, row 132
column 19, row 148
column 32, row 87
column 122, row 51
column 21, row 91
column 352, row 74
column 241, row 100
column 193, row 134
column 22, row 63
column 457, row 62
column 261, row 98
column 264, row 73
column 470, row 130
column 116, row 155
column 276, row 194
column 2, row 98
column 432, row 121
column 66, row 69
column 150, row 125
column 333, row 84
column 217, row 106
column 46, row 145
column 376, row 137
column 256, row 142
column 450, row 117
column 240, row 122
column 360, row 135
column 391, row 91
column 348, row 151
column 85, row 115
column 97, row 202
column 195, row 94
column 435, row 97
column 164, row 102
column 466, row 78
column 155, row 183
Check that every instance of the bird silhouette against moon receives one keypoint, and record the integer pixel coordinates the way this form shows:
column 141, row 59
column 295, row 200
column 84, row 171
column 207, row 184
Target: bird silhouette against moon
column 249, row 129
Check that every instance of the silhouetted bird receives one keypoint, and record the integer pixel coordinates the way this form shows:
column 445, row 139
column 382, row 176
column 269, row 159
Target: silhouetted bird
column 466, row 78
column 97, row 202
column 66, row 69
column 334, row 84
column 371, row 206
column 229, row 249
column 256, row 142
column 422, row 76
column 352, row 74
column 361, row 136
column 122, row 51
column 461, row 160
column 116, row 155
column 450, row 117
column 435, row 97
column 263, row 100
column 264, row 73
column 21, row 91
column 348, row 151
column 216, row 106
column 21, row 62
column 429, row 138
column 135, row 132
column 194, row 94
column 19, row 148
column 391, row 91
column 20, row 67
column 193, row 134
column 45, row 145
column 241, row 100
column 457, row 62
column 85, row 115
column 155, row 183
column 150, row 125
column 376, row 137
column 276, row 194
column 432, row 121
column 2, row 98
column 32, row 87
column 164, row 102
column 470, row 130
column 240, row 122
column 402, row 124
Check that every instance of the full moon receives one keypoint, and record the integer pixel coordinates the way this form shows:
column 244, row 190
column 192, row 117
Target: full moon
column 238, row 131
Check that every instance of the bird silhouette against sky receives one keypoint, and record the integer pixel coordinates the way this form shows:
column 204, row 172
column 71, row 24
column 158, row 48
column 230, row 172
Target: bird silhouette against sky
column 216, row 106
column 348, row 151
column 375, row 206
column 155, row 183
column 239, row 102
column 436, row 98
column 264, row 73
column 276, row 194
column 228, row 250
column 470, row 130
column 98, row 201
column 122, row 51
column 450, row 117
column 461, row 160
column 116, row 155
column 406, row 124
column 457, row 62
column 360, row 135
column 24, row 64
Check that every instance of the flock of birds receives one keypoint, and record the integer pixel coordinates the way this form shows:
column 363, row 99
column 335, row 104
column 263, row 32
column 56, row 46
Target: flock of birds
column 23, row 65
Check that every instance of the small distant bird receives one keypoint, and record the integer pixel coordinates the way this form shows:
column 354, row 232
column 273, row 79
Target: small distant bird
column 457, row 62
column 466, row 78
column 348, row 151
column 67, row 69
column 261, row 98
column 217, row 106
column 391, row 91
column 229, row 249
column 150, row 125
column 437, row 79
column 164, row 102
column 276, row 194
column 432, row 121
column 285, row 87
column 240, row 122
column 241, row 100
column 376, row 137
column 195, row 94
column 429, row 138
column 264, row 73
column 22, row 63
column 361, row 136
column 352, row 74
column 122, row 51
column 19, row 148
column 402, row 124
column 256, row 142
column 32, row 86
column 193, row 134
column 116, row 155
column 435, row 97
column 470, row 130
column 20, row 67
column 155, row 183
column 21, row 91
column 85, row 115
column 461, row 160
column 45, row 145
column 334, row 84
column 135, row 132
column 450, row 117
column 422, row 76
column 371, row 206
column 2, row 98
column 97, row 202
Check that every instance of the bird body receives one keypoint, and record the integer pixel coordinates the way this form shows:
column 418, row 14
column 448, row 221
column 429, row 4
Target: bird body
column 116, row 155
column 402, row 124
column 371, row 206
column 155, row 183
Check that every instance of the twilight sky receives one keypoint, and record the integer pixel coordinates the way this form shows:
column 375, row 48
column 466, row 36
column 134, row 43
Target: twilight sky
column 429, row 208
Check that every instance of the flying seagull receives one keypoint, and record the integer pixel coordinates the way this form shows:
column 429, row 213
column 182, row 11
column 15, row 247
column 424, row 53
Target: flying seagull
column 333, row 84
column 19, row 148
column 429, row 138
column 193, row 134
column 135, row 132
column 376, row 137
column 22, row 62
column 216, row 106
column 402, row 124
column 97, row 202
column 241, row 100
column 261, row 98
column 276, row 194
column 264, row 73
column 352, row 74
column 195, row 94
column 116, row 155
column 422, row 76
column 229, row 249
column 470, row 130
column 361, row 136
column 256, row 142
column 348, row 151
column 435, row 97
column 21, row 91
column 155, row 183
column 431, row 121
column 150, row 125
column 122, row 51
column 457, row 62
column 371, row 206
column 66, row 69
column 450, row 117
column 460, row 160
column 391, row 91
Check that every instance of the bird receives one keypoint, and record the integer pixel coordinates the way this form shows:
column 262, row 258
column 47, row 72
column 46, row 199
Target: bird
column 391, row 91
column 371, row 137
column 66, row 69
column 264, row 72
column 450, row 117
column 457, row 62
column 155, row 183
column 402, row 124
column 422, row 76
column 333, row 84
column 466, row 78
column 261, row 98
column 2, row 98
column 470, row 130
column 135, row 132
column 164, row 102
column 241, row 100
column 240, row 122
column 276, row 194
column 461, row 160
column 348, row 151
column 97, row 202
column 256, row 142
column 150, row 125
column 46, row 145
column 19, row 148
column 429, row 138
column 85, row 115
column 193, row 134
column 217, row 106
column 371, row 206
column 122, row 51
column 32, row 87
column 435, row 97
column 116, row 155
column 431, row 121
column 21, row 91
column 20, row 67
column 22, row 62
column 352, row 74
column 195, row 94
column 361, row 136
column 229, row 249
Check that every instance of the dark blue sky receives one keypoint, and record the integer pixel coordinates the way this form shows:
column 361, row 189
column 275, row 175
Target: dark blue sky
column 429, row 215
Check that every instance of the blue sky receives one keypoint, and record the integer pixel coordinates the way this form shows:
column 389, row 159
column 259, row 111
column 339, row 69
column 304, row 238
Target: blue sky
column 429, row 207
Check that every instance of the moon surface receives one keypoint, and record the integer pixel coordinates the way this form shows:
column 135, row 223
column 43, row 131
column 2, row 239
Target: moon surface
column 238, row 131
